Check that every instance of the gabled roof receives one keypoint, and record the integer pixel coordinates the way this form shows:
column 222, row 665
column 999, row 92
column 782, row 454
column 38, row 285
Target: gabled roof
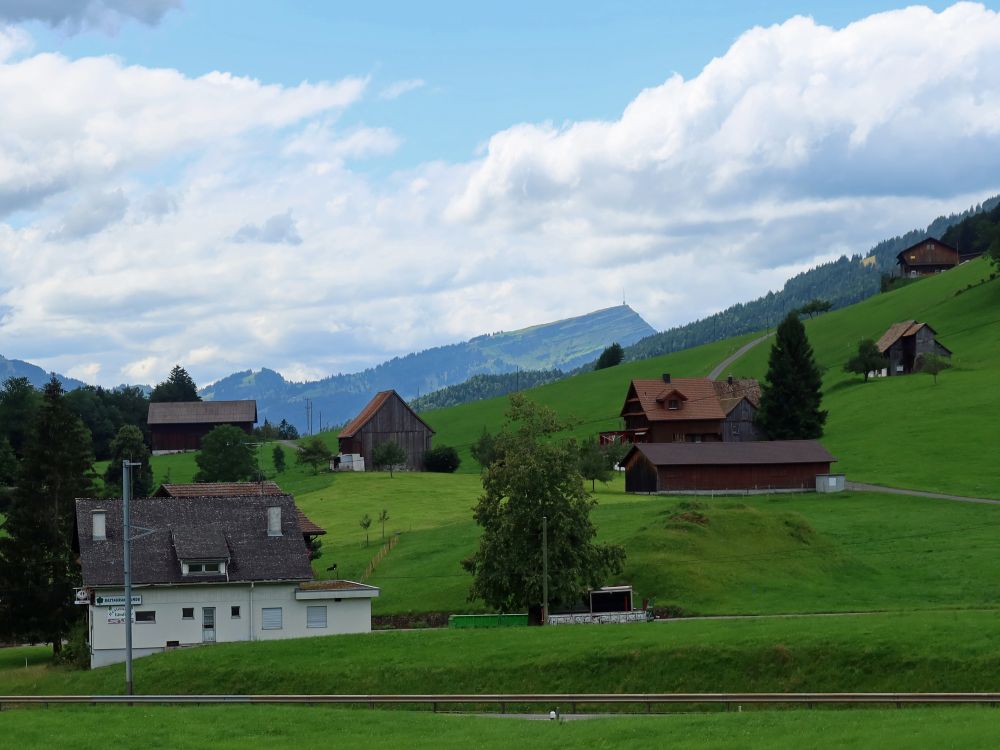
column 236, row 489
column 202, row 527
column 202, row 412
column 371, row 409
column 700, row 401
column 900, row 330
column 731, row 393
column 719, row 454
column 939, row 247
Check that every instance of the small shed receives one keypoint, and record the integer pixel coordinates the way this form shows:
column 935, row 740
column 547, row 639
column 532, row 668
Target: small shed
column 831, row 483
column 723, row 467
column 387, row 418
column 905, row 343
column 180, row 426
column 926, row 257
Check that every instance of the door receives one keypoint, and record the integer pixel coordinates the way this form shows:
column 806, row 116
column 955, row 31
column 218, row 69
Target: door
column 208, row 624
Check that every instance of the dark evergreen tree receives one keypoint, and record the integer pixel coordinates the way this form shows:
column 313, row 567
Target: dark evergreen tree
column 791, row 394
column 278, row 456
column 179, row 386
column 226, row 456
column 8, row 463
column 19, row 402
column 128, row 444
column 868, row 359
column 38, row 569
column 536, row 475
column 610, row 357
column 287, row 431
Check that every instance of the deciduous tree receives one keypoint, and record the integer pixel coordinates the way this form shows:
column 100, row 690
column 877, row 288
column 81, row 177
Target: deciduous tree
column 536, row 475
column 366, row 523
column 128, row 444
column 225, row 456
column 868, row 359
column 388, row 454
column 382, row 518
column 314, row 453
column 37, row 566
column 484, row 449
column 594, row 463
column 933, row 364
column 791, row 395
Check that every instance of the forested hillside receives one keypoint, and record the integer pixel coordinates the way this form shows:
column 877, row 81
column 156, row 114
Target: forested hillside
column 479, row 387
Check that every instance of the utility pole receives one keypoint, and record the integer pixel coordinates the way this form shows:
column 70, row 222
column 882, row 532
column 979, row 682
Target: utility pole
column 127, row 562
column 309, row 416
column 545, row 570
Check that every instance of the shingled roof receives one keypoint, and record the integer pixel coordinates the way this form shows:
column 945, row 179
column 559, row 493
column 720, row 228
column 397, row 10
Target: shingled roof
column 899, row 330
column 232, row 528
column 202, row 412
column 371, row 409
column 237, row 489
column 733, row 390
column 719, row 454
column 699, row 399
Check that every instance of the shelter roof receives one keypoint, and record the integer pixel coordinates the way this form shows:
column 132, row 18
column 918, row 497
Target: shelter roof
column 202, row 412
column 718, row 454
column 700, row 401
column 371, row 409
column 900, row 330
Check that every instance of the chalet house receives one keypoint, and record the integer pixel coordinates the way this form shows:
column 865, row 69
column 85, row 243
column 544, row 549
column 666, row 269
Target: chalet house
column 180, row 426
column 904, row 344
column 926, row 257
column 240, row 489
column 206, row 570
column 387, row 418
column 692, row 410
column 718, row 467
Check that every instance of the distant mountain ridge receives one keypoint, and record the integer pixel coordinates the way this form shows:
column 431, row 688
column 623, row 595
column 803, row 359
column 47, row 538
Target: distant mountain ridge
column 38, row 377
column 563, row 344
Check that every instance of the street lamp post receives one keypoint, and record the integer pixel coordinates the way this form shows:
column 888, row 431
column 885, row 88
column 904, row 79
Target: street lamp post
column 545, row 570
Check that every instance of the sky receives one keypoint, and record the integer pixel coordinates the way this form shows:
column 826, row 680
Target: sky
column 316, row 187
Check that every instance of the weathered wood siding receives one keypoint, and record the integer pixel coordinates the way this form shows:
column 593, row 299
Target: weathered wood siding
column 396, row 423
column 185, row 437
column 685, row 431
column 740, row 477
column 640, row 475
column 739, row 426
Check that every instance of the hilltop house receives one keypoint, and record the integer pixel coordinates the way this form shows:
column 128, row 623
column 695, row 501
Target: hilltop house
column 905, row 343
column 693, row 410
column 387, row 418
column 926, row 257
column 207, row 569
column 180, row 426
column 719, row 467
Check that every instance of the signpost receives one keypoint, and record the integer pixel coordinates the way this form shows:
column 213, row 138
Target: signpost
column 116, row 600
column 127, row 561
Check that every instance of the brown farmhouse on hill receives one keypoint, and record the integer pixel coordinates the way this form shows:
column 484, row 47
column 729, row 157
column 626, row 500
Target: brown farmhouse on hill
column 684, row 467
column 692, row 410
column 905, row 343
column 180, row 426
column 387, row 418
column 927, row 257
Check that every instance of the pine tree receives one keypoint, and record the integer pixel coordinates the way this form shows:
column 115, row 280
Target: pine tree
column 37, row 566
column 610, row 357
column 278, row 456
column 179, row 386
column 791, row 396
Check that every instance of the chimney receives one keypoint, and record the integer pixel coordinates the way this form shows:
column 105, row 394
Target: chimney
column 666, row 377
column 99, row 518
column 729, row 380
column 274, row 520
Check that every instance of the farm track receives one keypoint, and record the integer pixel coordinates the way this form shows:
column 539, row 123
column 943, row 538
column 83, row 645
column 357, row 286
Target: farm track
column 865, row 487
column 719, row 368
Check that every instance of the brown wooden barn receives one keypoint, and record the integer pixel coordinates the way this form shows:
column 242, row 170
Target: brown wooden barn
column 180, row 426
column 926, row 257
column 387, row 418
column 684, row 467
column 693, row 410
column 310, row 530
column 905, row 343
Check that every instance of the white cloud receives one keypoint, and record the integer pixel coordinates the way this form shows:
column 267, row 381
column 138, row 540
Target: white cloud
column 74, row 15
column 800, row 142
column 13, row 42
column 92, row 214
column 398, row 88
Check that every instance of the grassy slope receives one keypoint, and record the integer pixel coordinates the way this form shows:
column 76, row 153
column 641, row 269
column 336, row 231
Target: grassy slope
column 240, row 727
column 902, row 652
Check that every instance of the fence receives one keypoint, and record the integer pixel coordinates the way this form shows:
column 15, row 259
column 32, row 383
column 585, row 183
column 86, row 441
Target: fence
column 551, row 700
column 601, row 618
column 379, row 556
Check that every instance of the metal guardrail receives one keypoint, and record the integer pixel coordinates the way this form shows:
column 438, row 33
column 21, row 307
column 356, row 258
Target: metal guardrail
column 503, row 699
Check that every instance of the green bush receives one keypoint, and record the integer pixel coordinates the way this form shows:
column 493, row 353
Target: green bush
column 443, row 459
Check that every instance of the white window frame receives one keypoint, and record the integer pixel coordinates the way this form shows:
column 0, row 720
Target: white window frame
column 316, row 608
column 263, row 618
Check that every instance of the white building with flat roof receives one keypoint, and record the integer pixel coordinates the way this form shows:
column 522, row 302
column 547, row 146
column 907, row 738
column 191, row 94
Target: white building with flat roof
column 207, row 569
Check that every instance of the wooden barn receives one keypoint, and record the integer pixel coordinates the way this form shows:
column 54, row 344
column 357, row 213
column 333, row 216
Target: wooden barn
column 719, row 467
column 905, row 343
column 180, row 426
column 387, row 418
column 927, row 257
column 692, row 410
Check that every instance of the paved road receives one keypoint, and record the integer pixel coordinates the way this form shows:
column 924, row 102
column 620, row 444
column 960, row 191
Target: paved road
column 796, row 615
column 864, row 487
column 720, row 368
column 291, row 444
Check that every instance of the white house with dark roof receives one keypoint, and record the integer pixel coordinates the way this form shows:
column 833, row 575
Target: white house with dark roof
column 207, row 570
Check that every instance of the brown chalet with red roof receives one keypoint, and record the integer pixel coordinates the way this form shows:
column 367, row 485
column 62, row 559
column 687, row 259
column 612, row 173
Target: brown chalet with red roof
column 688, row 410
column 387, row 418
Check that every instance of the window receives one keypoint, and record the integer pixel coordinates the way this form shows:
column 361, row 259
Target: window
column 316, row 617
column 270, row 618
column 207, row 568
column 187, row 613
column 234, row 612
column 674, row 403
column 146, row 615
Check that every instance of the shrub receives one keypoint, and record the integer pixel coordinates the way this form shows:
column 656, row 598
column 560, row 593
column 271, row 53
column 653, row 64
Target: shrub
column 443, row 459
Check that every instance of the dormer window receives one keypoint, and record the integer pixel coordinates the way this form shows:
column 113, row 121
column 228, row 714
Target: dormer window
column 674, row 404
column 204, row 568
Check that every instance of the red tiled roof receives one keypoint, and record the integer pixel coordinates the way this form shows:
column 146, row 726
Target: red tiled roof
column 700, row 402
column 236, row 489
